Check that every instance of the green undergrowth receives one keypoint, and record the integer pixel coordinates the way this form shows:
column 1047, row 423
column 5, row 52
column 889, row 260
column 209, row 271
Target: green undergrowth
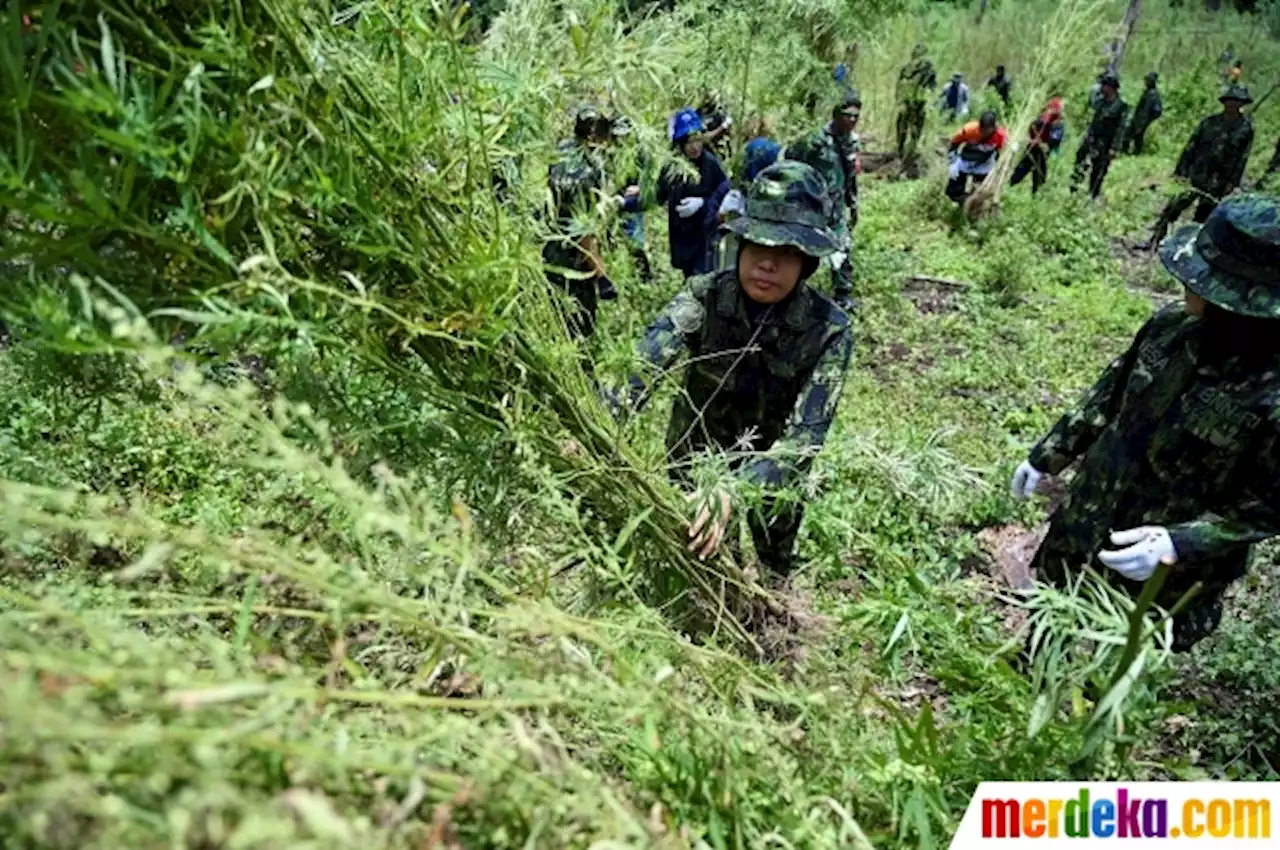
column 290, row 588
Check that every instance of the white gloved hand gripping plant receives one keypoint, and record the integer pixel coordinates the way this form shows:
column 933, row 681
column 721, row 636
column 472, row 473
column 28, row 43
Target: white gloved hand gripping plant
column 1143, row 549
column 1025, row 479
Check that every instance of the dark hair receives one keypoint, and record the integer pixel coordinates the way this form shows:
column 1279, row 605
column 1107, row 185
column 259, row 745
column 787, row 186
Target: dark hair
column 999, row 69
column 1229, row 334
column 988, row 120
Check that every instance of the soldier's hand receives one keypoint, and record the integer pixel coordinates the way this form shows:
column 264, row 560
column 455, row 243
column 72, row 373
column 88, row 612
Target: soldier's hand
column 710, row 523
column 689, row 207
column 1025, row 479
column 1143, row 549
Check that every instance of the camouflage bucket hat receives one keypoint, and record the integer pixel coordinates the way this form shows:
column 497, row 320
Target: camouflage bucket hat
column 1233, row 259
column 1237, row 92
column 584, row 112
column 787, row 205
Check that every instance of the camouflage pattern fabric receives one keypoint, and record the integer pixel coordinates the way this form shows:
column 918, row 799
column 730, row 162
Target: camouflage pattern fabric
column 914, row 81
column 1170, row 438
column 769, row 385
column 916, row 78
column 1107, row 125
column 787, row 204
column 574, row 178
column 1216, row 154
column 1232, row 260
column 833, row 158
column 1149, row 108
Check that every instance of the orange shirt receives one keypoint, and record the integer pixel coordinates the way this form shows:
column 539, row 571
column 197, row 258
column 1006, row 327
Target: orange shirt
column 971, row 134
column 974, row 148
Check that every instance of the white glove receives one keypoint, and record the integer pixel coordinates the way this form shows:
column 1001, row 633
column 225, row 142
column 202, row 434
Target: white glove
column 838, row 258
column 733, row 202
column 689, row 206
column 1025, row 479
column 1145, row 548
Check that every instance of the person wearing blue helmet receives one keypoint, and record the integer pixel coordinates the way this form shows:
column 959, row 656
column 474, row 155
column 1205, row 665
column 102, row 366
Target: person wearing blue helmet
column 686, row 186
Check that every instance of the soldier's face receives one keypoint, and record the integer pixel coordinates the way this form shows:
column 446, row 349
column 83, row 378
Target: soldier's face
column 1194, row 304
column 1231, row 107
column 846, row 122
column 769, row 274
column 692, row 147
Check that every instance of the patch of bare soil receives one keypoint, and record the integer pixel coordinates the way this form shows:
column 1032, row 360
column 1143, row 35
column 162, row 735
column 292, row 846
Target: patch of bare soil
column 918, row 690
column 787, row 629
column 930, row 297
column 884, row 358
column 1142, row 275
column 1011, row 549
column 877, row 161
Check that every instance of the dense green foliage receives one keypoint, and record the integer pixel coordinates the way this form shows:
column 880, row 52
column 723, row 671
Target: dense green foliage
column 364, row 563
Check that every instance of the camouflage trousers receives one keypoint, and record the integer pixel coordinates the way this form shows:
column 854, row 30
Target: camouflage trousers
column 1094, row 160
column 841, row 263
column 910, row 127
column 1059, row 556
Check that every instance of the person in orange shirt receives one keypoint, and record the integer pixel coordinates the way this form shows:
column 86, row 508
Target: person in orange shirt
column 974, row 151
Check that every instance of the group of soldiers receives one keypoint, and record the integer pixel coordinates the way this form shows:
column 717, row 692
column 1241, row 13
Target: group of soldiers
column 1178, row 442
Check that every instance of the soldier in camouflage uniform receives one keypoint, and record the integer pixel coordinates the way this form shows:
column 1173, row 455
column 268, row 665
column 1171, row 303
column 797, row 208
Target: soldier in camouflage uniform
column 1213, row 161
column 833, row 153
column 766, row 357
column 914, row 80
column 575, row 178
column 1149, row 108
column 1103, row 137
column 1180, row 438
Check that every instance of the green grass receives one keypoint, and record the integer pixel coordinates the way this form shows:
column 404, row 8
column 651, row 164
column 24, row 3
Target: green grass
column 424, row 600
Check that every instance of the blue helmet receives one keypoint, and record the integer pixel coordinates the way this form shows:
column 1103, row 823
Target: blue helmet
column 684, row 123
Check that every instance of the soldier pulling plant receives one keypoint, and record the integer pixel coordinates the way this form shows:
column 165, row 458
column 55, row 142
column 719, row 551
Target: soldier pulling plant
column 766, row 359
column 1179, row 439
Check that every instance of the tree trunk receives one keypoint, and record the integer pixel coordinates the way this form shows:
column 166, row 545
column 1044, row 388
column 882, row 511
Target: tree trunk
column 1127, row 26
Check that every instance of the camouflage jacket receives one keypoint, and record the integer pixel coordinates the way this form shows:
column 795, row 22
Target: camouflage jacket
column 574, row 178
column 768, row 385
column 914, row 79
column 1149, row 108
column 1217, row 153
column 836, row 160
column 1107, row 125
column 1171, row 438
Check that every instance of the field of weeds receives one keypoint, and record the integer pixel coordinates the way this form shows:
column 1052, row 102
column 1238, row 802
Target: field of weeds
column 313, row 533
